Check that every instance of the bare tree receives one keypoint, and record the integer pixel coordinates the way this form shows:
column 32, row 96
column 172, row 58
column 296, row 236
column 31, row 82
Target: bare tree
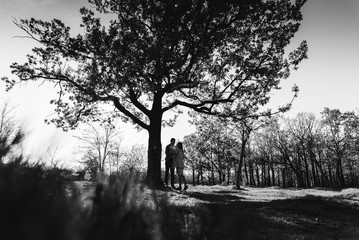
column 99, row 139
column 52, row 156
column 8, row 122
column 115, row 156
column 9, row 128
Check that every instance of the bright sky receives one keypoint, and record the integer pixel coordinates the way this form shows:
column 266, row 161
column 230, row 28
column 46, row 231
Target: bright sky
column 327, row 79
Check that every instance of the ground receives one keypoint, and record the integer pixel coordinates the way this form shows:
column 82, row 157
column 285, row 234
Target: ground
column 266, row 213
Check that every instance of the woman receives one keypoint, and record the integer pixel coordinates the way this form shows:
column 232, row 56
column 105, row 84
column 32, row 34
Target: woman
column 179, row 161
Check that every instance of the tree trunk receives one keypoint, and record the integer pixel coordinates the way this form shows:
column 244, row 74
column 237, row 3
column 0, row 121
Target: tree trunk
column 314, row 173
column 278, row 174
column 330, row 175
column 198, row 176
column 241, row 159
column 273, row 174
column 269, row 178
column 251, row 175
column 228, row 175
column 154, row 145
column 201, row 175
column 246, row 174
column 212, row 173
column 307, row 174
column 257, row 175
column 220, row 176
column 263, row 175
column 340, row 173
column 312, row 163
column 283, row 178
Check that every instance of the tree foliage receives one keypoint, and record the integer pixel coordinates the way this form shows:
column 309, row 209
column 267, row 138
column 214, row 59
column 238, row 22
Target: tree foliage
column 193, row 53
column 134, row 158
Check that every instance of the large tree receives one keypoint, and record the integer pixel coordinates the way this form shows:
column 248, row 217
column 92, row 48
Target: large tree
column 159, row 55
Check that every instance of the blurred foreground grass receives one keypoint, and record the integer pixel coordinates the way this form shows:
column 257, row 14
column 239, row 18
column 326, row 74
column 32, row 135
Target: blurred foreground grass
column 36, row 205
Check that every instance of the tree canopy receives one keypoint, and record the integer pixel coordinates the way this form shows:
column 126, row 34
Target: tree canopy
column 159, row 55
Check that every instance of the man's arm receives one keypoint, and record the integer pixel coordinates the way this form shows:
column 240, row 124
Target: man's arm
column 167, row 151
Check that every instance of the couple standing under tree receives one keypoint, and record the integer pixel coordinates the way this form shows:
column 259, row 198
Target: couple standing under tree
column 175, row 159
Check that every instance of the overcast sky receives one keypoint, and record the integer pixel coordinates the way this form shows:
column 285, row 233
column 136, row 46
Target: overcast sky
column 329, row 78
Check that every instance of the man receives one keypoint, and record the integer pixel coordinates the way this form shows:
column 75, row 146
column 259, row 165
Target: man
column 170, row 154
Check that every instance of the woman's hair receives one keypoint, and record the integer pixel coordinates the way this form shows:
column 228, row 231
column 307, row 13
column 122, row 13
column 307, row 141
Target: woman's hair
column 179, row 145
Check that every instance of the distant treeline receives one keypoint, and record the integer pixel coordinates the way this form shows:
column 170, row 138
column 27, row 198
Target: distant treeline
column 303, row 152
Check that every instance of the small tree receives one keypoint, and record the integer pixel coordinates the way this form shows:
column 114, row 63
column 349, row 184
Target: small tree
column 134, row 158
column 90, row 161
column 156, row 56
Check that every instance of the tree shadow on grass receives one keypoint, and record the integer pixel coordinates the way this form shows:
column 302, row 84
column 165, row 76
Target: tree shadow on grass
column 214, row 197
column 310, row 217
column 314, row 217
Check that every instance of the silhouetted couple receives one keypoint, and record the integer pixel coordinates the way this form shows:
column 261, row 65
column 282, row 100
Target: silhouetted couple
column 175, row 160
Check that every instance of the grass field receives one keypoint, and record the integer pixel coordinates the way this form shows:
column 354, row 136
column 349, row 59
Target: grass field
column 222, row 212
